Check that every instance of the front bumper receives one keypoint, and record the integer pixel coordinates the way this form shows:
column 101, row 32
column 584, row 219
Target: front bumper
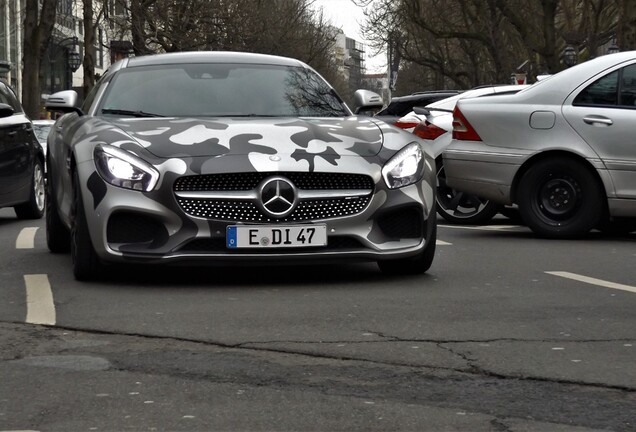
column 136, row 227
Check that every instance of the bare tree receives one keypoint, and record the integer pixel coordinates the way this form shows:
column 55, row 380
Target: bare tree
column 38, row 28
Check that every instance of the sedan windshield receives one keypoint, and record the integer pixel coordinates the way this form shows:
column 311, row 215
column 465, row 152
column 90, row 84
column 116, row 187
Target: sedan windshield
column 220, row 90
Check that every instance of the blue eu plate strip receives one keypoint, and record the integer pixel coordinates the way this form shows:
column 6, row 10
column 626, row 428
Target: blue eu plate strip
column 231, row 236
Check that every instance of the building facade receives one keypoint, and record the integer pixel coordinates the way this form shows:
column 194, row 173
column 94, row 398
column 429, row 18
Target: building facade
column 61, row 67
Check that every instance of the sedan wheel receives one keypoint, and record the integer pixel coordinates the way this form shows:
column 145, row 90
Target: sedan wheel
column 560, row 198
column 461, row 208
column 34, row 208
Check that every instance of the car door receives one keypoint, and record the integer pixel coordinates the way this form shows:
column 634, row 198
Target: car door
column 603, row 113
column 15, row 152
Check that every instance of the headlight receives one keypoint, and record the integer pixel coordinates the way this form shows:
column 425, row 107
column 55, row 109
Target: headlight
column 405, row 168
column 121, row 168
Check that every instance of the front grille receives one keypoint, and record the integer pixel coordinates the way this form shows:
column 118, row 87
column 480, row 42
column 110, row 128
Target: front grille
column 249, row 181
column 217, row 245
column 246, row 209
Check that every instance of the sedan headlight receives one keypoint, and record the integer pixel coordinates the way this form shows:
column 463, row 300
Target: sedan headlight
column 121, row 168
column 405, row 168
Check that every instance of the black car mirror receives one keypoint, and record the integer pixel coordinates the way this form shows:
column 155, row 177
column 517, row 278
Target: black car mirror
column 6, row 110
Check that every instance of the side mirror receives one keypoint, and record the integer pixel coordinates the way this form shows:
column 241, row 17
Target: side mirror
column 421, row 111
column 63, row 101
column 6, row 110
column 366, row 100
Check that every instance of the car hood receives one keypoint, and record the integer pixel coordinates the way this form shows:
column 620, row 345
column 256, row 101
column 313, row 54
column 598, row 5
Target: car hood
column 194, row 137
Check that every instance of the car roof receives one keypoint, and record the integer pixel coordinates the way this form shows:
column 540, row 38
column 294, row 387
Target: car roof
column 211, row 57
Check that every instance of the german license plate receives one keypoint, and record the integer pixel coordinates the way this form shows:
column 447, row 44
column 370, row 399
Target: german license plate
column 267, row 236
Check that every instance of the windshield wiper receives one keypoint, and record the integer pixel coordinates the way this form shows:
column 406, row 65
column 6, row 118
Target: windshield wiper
column 130, row 113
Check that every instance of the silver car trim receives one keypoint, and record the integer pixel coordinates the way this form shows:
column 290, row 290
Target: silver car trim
column 252, row 195
column 482, row 153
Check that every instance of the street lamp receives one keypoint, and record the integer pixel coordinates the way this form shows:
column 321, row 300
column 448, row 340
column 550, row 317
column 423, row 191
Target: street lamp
column 73, row 59
column 569, row 56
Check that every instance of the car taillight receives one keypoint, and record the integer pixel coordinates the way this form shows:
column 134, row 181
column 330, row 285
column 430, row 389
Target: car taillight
column 405, row 124
column 462, row 130
column 428, row 130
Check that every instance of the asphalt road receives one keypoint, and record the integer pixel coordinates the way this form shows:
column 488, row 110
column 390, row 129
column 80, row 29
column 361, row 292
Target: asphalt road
column 506, row 332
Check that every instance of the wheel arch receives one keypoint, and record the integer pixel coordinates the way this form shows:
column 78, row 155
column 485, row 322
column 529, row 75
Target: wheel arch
column 553, row 154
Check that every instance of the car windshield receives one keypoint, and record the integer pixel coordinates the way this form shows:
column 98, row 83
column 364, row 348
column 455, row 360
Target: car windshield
column 220, row 90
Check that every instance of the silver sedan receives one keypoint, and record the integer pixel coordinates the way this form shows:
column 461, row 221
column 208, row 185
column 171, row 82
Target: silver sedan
column 563, row 150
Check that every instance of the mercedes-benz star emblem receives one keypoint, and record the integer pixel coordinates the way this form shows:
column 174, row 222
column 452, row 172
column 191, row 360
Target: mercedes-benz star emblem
column 278, row 197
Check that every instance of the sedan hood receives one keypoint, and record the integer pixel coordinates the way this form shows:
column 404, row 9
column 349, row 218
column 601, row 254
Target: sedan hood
column 193, row 137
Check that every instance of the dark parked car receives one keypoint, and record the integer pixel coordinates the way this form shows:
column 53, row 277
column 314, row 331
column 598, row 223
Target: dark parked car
column 402, row 105
column 21, row 159
column 221, row 158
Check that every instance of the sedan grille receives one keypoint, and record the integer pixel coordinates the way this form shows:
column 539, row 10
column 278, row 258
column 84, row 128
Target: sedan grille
column 237, row 197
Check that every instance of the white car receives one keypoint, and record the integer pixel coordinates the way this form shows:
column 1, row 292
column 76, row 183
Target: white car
column 562, row 150
column 435, row 125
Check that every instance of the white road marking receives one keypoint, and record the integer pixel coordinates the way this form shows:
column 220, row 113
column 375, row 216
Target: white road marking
column 26, row 238
column 593, row 281
column 40, row 306
column 442, row 243
column 485, row 227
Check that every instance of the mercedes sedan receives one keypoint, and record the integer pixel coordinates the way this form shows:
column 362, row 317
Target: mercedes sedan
column 562, row 150
column 233, row 158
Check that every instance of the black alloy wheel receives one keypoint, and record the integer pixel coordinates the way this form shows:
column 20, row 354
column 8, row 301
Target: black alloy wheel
column 459, row 207
column 560, row 198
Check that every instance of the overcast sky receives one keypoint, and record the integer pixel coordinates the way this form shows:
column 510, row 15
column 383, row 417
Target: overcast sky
column 346, row 15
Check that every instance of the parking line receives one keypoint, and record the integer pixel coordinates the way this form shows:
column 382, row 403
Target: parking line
column 26, row 238
column 484, row 227
column 593, row 281
column 40, row 306
column 443, row 243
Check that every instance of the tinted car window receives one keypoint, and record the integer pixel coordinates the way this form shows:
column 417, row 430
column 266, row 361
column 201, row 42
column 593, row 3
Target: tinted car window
column 221, row 90
column 628, row 86
column 603, row 91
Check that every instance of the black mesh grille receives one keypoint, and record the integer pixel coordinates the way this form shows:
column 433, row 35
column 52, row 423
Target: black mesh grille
column 217, row 245
column 134, row 228
column 249, row 181
column 246, row 211
column 402, row 223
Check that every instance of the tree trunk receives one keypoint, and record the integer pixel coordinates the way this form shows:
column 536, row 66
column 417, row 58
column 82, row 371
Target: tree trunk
column 37, row 33
column 89, row 48
column 626, row 35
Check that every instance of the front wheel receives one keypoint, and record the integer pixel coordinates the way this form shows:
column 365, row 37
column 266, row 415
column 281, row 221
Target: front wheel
column 459, row 207
column 417, row 264
column 34, row 207
column 560, row 198
column 86, row 264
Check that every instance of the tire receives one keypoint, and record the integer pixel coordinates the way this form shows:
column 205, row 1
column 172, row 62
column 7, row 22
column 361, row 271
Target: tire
column 459, row 207
column 34, row 207
column 86, row 264
column 58, row 237
column 560, row 198
column 415, row 265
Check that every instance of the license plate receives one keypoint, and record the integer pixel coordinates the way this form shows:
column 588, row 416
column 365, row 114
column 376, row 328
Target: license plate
column 267, row 236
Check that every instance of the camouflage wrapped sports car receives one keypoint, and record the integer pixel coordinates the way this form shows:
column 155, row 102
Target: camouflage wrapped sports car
column 222, row 158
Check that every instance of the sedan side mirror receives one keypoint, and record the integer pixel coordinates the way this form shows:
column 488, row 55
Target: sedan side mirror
column 366, row 100
column 6, row 110
column 63, row 101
